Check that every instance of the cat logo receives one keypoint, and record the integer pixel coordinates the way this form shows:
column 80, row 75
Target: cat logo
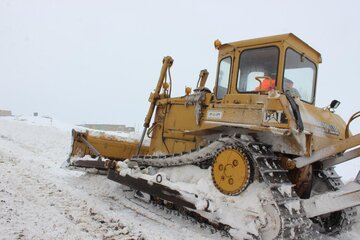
column 273, row 117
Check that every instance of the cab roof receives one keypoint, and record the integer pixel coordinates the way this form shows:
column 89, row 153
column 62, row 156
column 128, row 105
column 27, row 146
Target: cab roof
column 288, row 38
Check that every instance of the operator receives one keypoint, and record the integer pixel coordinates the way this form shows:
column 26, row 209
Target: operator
column 289, row 87
column 268, row 83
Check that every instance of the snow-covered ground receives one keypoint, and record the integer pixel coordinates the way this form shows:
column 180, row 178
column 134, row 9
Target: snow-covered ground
column 40, row 200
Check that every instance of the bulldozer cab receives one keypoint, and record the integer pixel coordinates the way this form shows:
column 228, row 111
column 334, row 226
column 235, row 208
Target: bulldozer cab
column 284, row 63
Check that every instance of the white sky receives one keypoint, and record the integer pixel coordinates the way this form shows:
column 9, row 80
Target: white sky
column 97, row 61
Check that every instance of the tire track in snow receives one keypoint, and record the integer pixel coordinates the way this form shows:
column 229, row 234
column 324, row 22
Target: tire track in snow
column 45, row 196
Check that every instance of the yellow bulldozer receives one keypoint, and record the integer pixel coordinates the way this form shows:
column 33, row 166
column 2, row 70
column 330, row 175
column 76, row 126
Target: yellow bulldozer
column 259, row 125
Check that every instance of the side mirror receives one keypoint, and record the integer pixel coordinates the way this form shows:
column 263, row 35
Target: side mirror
column 334, row 104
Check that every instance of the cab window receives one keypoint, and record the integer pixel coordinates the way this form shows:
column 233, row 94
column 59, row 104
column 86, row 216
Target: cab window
column 258, row 69
column 223, row 77
column 299, row 76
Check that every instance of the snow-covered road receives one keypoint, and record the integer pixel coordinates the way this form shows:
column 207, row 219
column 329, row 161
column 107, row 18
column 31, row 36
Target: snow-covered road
column 40, row 200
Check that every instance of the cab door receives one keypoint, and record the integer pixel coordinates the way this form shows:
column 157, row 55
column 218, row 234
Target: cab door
column 224, row 75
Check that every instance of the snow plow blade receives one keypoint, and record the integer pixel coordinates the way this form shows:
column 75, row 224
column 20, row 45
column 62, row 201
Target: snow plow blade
column 90, row 148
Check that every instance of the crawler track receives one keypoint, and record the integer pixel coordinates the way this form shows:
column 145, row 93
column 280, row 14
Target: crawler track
column 337, row 222
column 294, row 223
column 198, row 156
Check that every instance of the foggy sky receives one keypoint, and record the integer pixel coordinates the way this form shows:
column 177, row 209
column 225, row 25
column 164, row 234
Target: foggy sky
column 97, row 61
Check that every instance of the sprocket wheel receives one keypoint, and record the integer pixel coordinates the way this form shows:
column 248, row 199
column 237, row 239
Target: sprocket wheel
column 231, row 170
